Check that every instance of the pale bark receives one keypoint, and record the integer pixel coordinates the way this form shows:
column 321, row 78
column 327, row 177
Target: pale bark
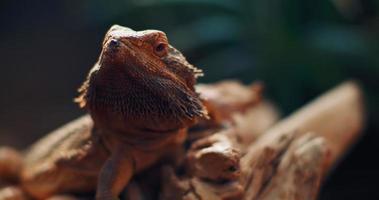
column 288, row 162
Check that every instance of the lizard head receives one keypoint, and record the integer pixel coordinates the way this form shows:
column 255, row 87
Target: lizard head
column 123, row 46
column 139, row 74
column 145, row 54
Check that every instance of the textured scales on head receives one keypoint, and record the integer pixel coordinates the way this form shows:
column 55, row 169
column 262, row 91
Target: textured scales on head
column 139, row 74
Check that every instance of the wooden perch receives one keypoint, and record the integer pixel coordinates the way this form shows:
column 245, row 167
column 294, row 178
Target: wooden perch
column 254, row 121
column 229, row 97
column 299, row 173
column 287, row 168
column 214, row 158
column 288, row 162
column 337, row 116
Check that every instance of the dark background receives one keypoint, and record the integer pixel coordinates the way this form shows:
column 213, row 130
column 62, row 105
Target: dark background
column 299, row 48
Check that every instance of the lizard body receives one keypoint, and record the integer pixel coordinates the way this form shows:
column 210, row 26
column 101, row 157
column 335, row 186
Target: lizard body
column 141, row 99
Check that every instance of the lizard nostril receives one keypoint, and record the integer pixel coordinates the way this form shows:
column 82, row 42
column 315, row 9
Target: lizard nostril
column 114, row 43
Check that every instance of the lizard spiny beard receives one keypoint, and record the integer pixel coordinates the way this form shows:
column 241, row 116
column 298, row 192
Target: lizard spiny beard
column 147, row 98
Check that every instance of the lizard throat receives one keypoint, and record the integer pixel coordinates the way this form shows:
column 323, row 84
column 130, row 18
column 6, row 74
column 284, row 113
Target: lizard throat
column 153, row 101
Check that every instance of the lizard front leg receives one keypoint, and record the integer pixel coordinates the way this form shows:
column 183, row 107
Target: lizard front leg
column 115, row 174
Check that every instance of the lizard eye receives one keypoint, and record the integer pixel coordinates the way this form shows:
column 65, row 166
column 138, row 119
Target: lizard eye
column 160, row 49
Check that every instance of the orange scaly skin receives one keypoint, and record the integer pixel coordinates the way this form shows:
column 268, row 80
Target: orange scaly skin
column 141, row 98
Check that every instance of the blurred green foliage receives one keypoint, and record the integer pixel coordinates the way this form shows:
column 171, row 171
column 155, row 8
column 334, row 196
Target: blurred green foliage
column 299, row 48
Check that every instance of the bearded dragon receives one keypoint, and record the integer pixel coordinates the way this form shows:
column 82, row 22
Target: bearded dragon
column 140, row 98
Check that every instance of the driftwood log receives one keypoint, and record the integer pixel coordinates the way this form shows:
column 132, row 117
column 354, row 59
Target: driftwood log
column 287, row 161
column 246, row 153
